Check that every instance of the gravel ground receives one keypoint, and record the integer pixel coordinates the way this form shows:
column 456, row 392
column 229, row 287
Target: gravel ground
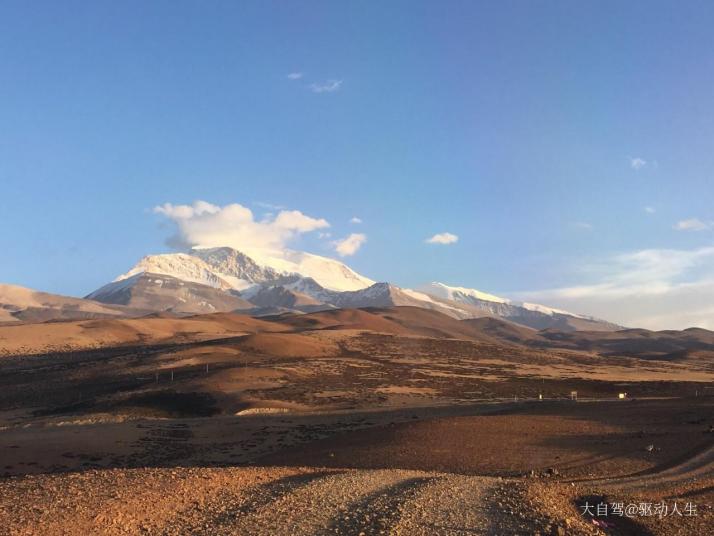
column 265, row 501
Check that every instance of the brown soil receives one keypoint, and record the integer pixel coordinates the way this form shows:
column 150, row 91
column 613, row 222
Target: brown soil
column 414, row 414
column 578, row 439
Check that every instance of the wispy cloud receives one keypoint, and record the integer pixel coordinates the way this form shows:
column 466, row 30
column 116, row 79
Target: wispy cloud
column 637, row 163
column 350, row 245
column 652, row 288
column 205, row 224
column 355, row 220
column 443, row 238
column 585, row 226
column 694, row 224
column 269, row 206
column 650, row 210
column 295, row 76
column 328, row 86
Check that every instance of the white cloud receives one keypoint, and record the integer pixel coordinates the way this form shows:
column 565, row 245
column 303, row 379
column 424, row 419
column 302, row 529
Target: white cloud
column 651, row 288
column 205, row 224
column 442, row 238
column 650, row 210
column 637, row 163
column 583, row 225
column 355, row 220
column 326, row 87
column 693, row 224
column 295, row 76
column 350, row 245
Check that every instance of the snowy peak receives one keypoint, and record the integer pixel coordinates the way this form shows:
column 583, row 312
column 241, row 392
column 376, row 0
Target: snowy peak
column 472, row 296
column 328, row 273
column 235, row 267
column 388, row 295
column 226, row 268
column 460, row 294
column 178, row 265
column 549, row 310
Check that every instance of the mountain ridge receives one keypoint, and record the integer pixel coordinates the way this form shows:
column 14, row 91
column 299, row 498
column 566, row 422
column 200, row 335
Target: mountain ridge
column 223, row 279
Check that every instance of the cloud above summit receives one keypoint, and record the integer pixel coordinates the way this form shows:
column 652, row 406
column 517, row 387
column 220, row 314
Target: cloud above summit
column 350, row 245
column 205, row 224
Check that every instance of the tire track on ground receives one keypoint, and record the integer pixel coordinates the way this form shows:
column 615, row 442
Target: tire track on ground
column 354, row 502
column 379, row 511
column 452, row 505
column 322, row 505
column 222, row 513
column 698, row 466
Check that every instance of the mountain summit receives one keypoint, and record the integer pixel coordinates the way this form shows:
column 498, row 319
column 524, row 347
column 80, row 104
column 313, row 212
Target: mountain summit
column 226, row 267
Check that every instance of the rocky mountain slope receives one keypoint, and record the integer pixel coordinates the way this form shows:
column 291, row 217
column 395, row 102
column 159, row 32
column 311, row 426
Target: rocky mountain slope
column 157, row 292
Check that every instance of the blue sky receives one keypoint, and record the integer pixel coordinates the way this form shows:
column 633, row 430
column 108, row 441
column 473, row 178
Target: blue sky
column 536, row 132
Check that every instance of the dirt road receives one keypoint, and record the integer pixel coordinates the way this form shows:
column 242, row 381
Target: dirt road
column 698, row 466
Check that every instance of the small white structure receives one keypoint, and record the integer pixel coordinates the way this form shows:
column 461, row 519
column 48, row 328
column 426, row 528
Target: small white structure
column 622, row 396
column 573, row 395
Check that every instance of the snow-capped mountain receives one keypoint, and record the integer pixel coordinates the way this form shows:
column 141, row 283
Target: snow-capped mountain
column 268, row 282
column 179, row 265
column 328, row 273
column 227, row 268
column 476, row 297
column 378, row 295
column 235, row 267
column 529, row 314
column 459, row 294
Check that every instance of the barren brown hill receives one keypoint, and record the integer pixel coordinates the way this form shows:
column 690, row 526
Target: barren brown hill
column 352, row 319
column 288, row 345
column 20, row 304
column 88, row 334
column 16, row 338
column 503, row 331
column 402, row 320
column 429, row 323
column 642, row 343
